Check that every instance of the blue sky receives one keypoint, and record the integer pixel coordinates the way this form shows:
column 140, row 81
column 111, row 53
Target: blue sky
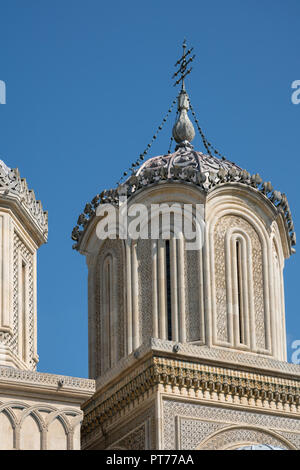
column 88, row 82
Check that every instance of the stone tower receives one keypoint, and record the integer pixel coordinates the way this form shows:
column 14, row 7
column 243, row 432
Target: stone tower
column 37, row 410
column 23, row 229
column 187, row 343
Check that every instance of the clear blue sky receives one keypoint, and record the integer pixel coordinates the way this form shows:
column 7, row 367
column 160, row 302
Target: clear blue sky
column 87, row 84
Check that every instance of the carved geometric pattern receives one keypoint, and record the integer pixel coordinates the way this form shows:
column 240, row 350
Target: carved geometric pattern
column 222, row 416
column 135, row 440
column 144, row 257
column 20, row 248
column 193, row 292
column 192, row 431
column 293, row 438
column 12, row 340
column 235, row 437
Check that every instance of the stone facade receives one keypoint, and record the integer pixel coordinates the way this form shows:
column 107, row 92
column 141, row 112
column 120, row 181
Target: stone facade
column 187, row 348
column 37, row 411
column 180, row 400
column 204, row 358
column 41, row 411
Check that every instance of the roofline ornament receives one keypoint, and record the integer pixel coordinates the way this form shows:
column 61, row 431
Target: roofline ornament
column 15, row 188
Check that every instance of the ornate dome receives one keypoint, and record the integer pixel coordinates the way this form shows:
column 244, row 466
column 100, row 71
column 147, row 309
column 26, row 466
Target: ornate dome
column 186, row 157
column 186, row 165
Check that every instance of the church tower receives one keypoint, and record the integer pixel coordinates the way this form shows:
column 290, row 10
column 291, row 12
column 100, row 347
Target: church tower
column 38, row 411
column 187, row 338
column 23, row 229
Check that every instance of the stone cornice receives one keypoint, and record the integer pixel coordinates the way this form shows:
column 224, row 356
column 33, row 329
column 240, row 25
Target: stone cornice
column 223, row 357
column 39, row 381
column 14, row 192
column 206, row 181
column 227, row 357
column 191, row 376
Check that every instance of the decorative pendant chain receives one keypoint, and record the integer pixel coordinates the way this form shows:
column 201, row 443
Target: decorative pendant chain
column 136, row 164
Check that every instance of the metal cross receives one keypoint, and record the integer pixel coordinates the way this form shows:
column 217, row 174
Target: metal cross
column 183, row 63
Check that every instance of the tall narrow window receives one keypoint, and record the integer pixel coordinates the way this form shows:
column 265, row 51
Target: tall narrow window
column 239, row 292
column 168, row 282
column 108, row 309
column 23, row 309
column 107, row 315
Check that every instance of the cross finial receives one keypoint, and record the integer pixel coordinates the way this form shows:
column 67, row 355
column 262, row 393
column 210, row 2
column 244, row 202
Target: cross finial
column 183, row 63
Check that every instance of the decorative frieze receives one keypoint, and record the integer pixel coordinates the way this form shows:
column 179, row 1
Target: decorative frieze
column 9, row 375
column 195, row 380
column 191, row 425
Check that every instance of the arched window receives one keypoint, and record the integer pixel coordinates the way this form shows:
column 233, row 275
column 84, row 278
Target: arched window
column 240, row 293
column 108, row 326
column 238, row 266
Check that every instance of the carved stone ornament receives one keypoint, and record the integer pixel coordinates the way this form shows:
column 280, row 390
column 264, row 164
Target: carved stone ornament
column 14, row 188
column 187, row 166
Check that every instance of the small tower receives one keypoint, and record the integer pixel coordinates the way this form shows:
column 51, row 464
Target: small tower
column 23, row 229
column 187, row 345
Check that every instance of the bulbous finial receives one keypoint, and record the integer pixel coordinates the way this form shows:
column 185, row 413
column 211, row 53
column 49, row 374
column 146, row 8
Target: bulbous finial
column 183, row 128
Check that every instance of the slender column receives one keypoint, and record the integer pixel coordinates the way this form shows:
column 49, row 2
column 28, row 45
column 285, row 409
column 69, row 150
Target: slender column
column 129, row 298
column 245, row 293
column 44, row 435
column 174, row 289
column 208, row 290
column 230, row 265
column 236, row 290
column 6, row 322
column 135, row 291
column 162, row 290
column 70, row 440
column 154, row 288
column 93, row 331
column 268, row 301
column 282, row 309
column 182, row 327
column 3, row 312
column 17, row 437
column 34, row 268
column 105, row 336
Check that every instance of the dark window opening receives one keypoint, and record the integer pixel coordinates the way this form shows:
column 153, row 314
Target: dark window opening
column 239, row 291
column 168, row 279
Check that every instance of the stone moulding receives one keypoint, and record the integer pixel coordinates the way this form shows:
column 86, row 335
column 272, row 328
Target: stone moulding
column 187, row 376
column 205, row 181
column 15, row 189
column 12, row 376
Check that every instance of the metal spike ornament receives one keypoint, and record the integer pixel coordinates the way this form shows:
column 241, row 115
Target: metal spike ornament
column 183, row 130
